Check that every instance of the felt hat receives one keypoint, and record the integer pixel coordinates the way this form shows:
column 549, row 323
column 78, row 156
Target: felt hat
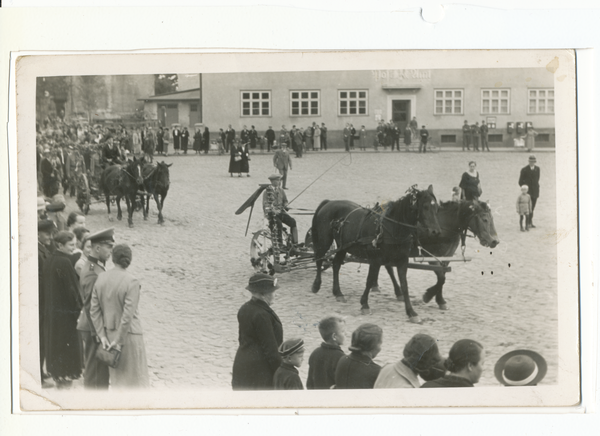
column 46, row 226
column 58, row 203
column 106, row 235
column 291, row 346
column 275, row 176
column 520, row 368
column 532, row 158
column 262, row 284
column 421, row 352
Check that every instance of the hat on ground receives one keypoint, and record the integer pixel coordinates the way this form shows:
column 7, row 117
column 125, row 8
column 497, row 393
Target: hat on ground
column 262, row 284
column 41, row 203
column 46, row 226
column 58, row 203
column 421, row 352
column 532, row 157
column 106, row 235
column 520, row 368
column 275, row 176
column 291, row 346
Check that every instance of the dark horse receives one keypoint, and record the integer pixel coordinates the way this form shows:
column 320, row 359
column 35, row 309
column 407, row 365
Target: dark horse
column 454, row 218
column 123, row 181
column 376, row 238
column 156, row 183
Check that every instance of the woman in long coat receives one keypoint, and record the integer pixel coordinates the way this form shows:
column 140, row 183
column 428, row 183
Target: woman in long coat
column 198, row 141
column 63, row 304
column 260, row 335
column 114, row 312
column 234, row 165
column 244, row 164
column 530, row 139
column 206, row 140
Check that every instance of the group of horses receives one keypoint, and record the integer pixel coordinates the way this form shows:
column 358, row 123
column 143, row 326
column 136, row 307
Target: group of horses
column 389, row 235
column 136, row 178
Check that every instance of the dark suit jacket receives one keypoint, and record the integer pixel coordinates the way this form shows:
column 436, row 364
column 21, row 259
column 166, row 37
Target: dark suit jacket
column 356, row 371
column 322, row 364
column 531, row 178
column 257, row 358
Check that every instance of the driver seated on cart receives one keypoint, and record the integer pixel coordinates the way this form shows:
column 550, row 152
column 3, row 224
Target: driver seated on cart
column 111, row 154
column 275, row 206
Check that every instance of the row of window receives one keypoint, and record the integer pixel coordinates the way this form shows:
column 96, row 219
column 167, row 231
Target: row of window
column 356, row 102
column 452, row 139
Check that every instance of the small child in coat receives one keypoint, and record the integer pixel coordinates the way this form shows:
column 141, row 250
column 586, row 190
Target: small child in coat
column 524, row 208
column 286, row 377
column 323, row 360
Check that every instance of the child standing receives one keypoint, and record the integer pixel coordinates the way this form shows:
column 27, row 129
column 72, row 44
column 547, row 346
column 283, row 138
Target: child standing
column 292, row 354
column 524, row 208
column 323, row 360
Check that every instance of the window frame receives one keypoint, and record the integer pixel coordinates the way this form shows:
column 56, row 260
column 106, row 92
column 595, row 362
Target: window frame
column 491, row 98
column 358, row 99
column 537, row 99
column 308, row 99
column 260, row 100
column 452, row 99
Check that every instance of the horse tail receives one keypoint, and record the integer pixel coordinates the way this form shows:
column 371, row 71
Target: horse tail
column 314, row 228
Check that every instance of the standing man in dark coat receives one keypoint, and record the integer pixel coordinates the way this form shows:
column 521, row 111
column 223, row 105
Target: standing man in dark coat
column 45, row 229
column 466, row 129
column 475, row 133
column 253, row 138
column 185, row 136
column 159, row 141
column 95, row 374
column 484, row 136
column 245, row 135
column 260, row 335
column 323, row 137
column 530, row 176
column 176, row 139
column 270, row 135
column 424, row 133
column 230, row 134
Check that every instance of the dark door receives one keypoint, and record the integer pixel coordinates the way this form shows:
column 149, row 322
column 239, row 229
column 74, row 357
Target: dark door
column 168, row 114
column 401, row 113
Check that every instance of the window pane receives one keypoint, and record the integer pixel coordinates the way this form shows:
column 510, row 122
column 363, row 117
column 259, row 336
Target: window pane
column 362, row 94
column 255, row 104
column 255, row 95
column 353, row 111
column 255, row 111
column 542, row 94
column 314, row 104
column 439, row 94
column 246, row 105
column 542, row 106
column 486, row 94
column 295, row 95
column 314, row 111
column 305, row 111
column 495, row 93
column 294, row 104
column 265, row 95
column 343, row 94
column 457, row 106
column 504, row 106
column 343, row 103
column 458, row 94
column 265, row 105
column 265, row 112
column 532, row 93
column 504, row 93
column 551, row 93
column 305, row 95
column 362, row 111
column 439, row 103
column 551, row 105
column 362, row 103
column 294, row 111
column 304, row 104
column 314, row 95
column 532, row 106
column 245, row 95
column 352, row 94
column 448, row 94
column 246, row 112
column 438, row 109
column 352, row 103
column 343, row 111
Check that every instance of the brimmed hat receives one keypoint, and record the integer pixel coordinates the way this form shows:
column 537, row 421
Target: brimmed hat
column 421, row 352
column 532, row 157
column 262, row 284
column 58, row 203
column 291, row 346
column 275, row 176
column 46, row 226
column 106, row 235
column 520, row 368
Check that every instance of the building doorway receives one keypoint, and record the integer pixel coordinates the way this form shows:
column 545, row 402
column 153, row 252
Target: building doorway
column 168, row 114
column 401, row 113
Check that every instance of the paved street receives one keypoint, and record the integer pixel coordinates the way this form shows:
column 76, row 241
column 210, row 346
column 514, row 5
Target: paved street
column 194, row 268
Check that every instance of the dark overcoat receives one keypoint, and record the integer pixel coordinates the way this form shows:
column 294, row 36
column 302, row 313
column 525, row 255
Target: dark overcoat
column 286, row 378
column 257, row 358
column 356, row 371
column 63, row 304
column 531, row 178
column 322, row 364
column 234, row 166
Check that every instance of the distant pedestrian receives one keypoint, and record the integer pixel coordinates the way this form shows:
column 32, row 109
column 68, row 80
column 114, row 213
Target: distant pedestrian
column 424, row 133
column 283, row 163
column 323, row 137
column 166, row 141
column 229, row 138
column 136, row 138
column 396, row 137
column 292, row 354
column 185, row 136
column 465, row 363
column 421, row 357
column 414, row 127
column 197, row 145
column 260, row 335
column 299, row 140
column 352, row 137
column 115, row 315
column 176, row 134
column 470, row 183
column 529, row 138
column 524, row 208
column 159, row 141
column 206, row 140
column 317, row 138
column 363, row 138
column 407, row 137
column 270, row 135
column 253, row 137
column 346, row 134
column 484, row 136
column 466, row 129
column 242, row 150
column 323, row 361
column 357, row 370
column 235, row 160
column 475, row 135
column 530, row 176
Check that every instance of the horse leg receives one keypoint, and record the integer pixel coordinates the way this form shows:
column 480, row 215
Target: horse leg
column 412, row 315
column 119, row 213
column 371, row 279
column 145, row 200
column 317, row 283
column 159, row 206
column 106, row 194
column 337, row 264
column 130, row 200
column 436, row 291
column 397, row 290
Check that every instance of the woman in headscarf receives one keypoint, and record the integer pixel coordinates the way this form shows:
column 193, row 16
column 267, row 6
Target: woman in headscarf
column 421, row 357
column 63, row 304
column 114, row 312
column 357, row 370
column 260, row 335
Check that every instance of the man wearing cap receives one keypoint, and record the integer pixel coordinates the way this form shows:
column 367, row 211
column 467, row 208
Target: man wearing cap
column 275, row 204
column 260, row 335
column 45, row 230
column 74, row 167
column 96, row 373
column 110, row 154
column 530, row 176
column 283, row 162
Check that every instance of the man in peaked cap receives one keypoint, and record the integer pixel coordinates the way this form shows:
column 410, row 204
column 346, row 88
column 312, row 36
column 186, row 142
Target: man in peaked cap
column 95, row 374
column 275, row 204
column 530, row 176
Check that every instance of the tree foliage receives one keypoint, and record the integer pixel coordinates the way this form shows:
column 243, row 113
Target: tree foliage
column 92, row 91
column 165, row 83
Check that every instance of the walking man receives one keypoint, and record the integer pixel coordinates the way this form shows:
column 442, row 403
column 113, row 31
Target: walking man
column 424, row 137
column 283, row 162
column 530, row 176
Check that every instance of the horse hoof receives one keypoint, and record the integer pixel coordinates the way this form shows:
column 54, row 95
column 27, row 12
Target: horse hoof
column 415, row 320
column 145, row 218
column 443, row 307
column 400, row 297
column 130, row 225
column 375, row 289
column 315, row 289
column 340, row 299
column 366, row 311
column 426, row 299
column 111, row 219
column 119, row 218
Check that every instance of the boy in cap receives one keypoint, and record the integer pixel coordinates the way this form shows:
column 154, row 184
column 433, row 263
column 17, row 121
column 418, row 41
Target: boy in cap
column 323, row 360
column 292, row 354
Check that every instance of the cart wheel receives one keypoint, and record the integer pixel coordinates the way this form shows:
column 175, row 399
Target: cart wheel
column 261, row 251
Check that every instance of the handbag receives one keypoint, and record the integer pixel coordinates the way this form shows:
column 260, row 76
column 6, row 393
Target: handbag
column 238, row 157
column 109, row 357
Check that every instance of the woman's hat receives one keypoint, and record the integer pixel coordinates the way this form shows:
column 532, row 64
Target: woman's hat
column 520, row 368
column 291, row 346
column 262, row 284
column 421, row 352
column 532, row 157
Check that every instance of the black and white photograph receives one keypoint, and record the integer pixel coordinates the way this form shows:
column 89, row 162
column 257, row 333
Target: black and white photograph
column 213, row 227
